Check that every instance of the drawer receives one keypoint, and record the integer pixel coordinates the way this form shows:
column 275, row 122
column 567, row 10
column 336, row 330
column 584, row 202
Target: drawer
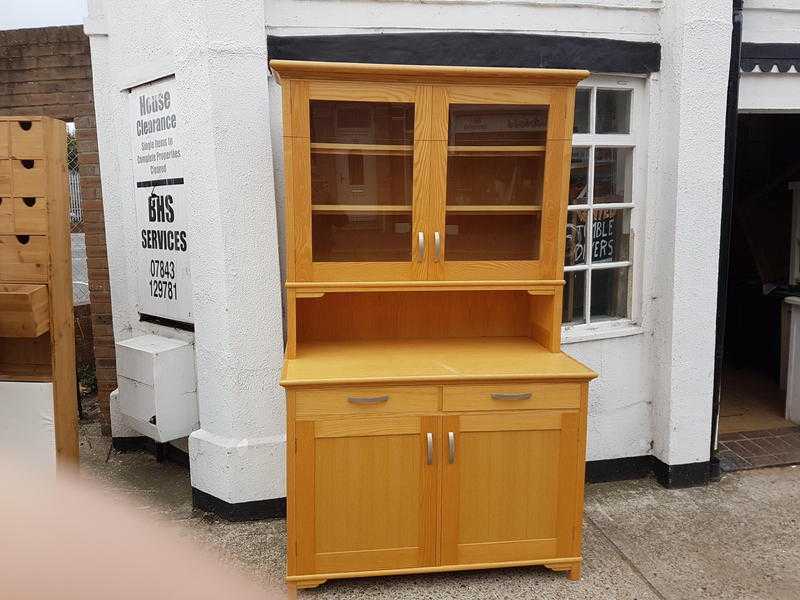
column 5, row 178
column 28, row 177
column 24, row 310
column 5, row 144
column 511, row 396
column 26, row 139
column 23, row 216
column 24, row 258
column 6, row 215
column 30, row 215
column 366, row 400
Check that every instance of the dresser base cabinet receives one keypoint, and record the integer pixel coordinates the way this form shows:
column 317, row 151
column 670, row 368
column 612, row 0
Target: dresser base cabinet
column 376, row 490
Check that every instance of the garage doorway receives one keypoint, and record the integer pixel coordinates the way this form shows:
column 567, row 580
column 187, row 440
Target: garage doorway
column 753, row 429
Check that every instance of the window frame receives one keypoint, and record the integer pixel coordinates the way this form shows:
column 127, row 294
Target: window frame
column 636, row 141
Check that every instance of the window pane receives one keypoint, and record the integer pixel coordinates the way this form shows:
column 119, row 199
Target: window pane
column 492, row 236
column 612, row 175
column 498, row 179
column 583, row 97
column 574, row 297
column 579, row 176
column 360, row 236
column 609, row 294
column 497, row 125
column 362, row 122
column 495, row 180
column 576, row 237
column 361, row 174
column 611, row 231
column 364, row 179
column 613, row 111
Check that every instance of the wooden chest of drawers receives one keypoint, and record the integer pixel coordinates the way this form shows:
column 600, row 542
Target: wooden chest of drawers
column 37, row 341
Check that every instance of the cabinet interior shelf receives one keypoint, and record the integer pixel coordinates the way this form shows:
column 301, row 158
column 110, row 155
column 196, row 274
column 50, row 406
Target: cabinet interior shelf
column 481, row 209
column 371, row 149
column 408, row 149
column 361, row 208
column 478, row 151
column 473, row 209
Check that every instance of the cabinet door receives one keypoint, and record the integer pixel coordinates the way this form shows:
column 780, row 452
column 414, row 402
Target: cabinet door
column 358, row 201
column 367, row 490
column 510, row 487
column 506, row 182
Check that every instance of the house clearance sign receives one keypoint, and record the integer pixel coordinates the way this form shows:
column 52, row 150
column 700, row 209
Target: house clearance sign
column 162, row 211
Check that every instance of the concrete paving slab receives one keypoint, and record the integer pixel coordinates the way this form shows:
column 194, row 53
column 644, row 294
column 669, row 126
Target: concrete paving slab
column 733, row 539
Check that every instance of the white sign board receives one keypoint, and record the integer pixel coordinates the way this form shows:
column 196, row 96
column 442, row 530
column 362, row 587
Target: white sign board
column 162, row 209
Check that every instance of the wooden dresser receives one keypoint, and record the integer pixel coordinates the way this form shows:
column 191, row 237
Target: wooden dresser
column 433, row 422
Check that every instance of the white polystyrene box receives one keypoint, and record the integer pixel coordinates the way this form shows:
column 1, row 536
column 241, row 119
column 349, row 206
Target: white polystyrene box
column 27, row 430
column 158, row 386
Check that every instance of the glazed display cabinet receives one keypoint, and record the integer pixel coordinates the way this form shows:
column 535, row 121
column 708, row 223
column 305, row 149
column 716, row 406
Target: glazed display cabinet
column 433, row 422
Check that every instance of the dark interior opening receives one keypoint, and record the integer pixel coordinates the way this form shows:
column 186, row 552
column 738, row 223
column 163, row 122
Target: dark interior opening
column 753, row 392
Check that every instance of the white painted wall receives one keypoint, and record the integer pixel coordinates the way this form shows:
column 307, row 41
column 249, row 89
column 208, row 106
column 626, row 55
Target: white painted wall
column 769, row 92
column 217, row 52
column 619, row 19
column 770, row 21
column 654, row 391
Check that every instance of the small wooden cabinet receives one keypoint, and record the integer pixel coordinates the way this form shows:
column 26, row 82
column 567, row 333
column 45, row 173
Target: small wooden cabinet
column 37, row 339
column 433, row 422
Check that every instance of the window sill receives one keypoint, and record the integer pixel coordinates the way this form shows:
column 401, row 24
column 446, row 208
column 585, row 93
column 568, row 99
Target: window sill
column 572, row 334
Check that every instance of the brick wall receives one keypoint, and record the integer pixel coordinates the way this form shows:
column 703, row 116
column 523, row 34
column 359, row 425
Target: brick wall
column 84, row 334
column 47, row 71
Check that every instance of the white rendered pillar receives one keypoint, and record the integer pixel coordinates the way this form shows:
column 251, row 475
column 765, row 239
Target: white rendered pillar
column 694, row 76
column 237, row 455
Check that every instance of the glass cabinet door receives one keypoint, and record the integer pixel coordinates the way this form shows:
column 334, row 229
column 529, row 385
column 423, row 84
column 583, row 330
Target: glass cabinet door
column 400, row 182
column 495, row 178
column 361, row 181
column 503, row 183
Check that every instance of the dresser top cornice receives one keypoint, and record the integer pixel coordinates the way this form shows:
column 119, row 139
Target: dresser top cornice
column 300, row 69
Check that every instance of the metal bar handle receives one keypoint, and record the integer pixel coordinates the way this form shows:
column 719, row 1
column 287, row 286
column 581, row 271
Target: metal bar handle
column 451, row 447
column 437, row 246
column 511, row 396
column 430, row 448
column 421, row 245
column 371, row 400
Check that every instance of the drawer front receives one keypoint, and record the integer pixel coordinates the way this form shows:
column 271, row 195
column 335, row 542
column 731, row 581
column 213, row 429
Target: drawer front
column 5, row 143
column 5, row 179
column 6, row 215
column 30, row 215
column 28, row 177
column 24, row 310
column 27, row 139
column 24, row 258
column 366, row 400
column 511, row 396
column 23, row 216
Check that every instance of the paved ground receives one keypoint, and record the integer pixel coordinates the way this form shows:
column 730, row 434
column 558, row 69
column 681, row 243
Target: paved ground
column 736, row 539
